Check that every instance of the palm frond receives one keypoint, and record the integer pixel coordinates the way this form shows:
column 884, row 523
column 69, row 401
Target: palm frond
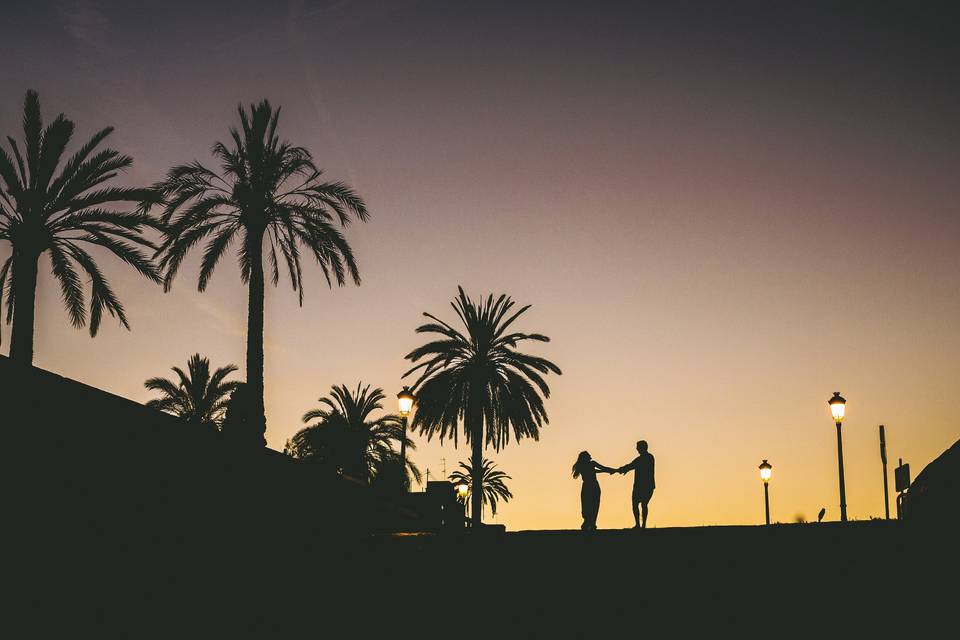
column 492, row 482
column 196, row 396
column 247, row 193
column 479, row 372
column 101, row 295
column 344, row 432
column 70, row 285
column 49, row 205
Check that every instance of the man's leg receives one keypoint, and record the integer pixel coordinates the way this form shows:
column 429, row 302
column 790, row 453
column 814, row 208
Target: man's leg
column 636, row 509
column 645, row 511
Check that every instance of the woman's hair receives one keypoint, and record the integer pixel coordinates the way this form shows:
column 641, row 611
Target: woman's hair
column 582, row 459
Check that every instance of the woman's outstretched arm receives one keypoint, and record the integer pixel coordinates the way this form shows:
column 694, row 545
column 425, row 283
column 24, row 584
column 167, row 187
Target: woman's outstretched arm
column 600, row 467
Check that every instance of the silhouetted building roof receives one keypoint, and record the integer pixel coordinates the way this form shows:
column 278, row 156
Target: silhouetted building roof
column 934, row 495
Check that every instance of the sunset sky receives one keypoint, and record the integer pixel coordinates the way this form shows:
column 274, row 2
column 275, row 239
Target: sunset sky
column 720, row 216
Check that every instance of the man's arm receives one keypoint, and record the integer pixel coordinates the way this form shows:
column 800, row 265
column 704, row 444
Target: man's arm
column 629, row 466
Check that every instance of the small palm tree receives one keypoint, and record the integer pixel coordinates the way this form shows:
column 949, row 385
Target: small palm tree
column 268, row 196
column 478, row 379
column 492, row 480
column 344, row 436
column 54, row 208
column 196, row 396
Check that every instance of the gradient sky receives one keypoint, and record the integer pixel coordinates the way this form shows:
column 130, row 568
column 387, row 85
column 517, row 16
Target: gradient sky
column 720, row 215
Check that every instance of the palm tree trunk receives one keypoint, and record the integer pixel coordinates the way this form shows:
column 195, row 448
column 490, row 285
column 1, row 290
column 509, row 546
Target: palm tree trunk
column 24, row 303
column 476, row 458
column 255, row 334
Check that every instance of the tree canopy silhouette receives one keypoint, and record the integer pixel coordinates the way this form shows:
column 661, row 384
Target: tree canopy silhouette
column 478, row 379
column 492, row 480
column 266, row 191
column 344, row 437
column 54, row 208
column 195, row 396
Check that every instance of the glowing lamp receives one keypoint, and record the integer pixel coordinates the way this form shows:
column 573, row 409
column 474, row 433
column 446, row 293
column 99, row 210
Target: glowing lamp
column 462, row 490
column 837, row 405
column 405, row 399
column 765, row 471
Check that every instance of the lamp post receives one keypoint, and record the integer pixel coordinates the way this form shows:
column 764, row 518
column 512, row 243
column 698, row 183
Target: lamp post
column 837, row 407
column 405, row 399
column 765, row 470
column 463, row 490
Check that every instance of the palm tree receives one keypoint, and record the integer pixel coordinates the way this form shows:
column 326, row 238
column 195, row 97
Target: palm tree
column 480, row 380
column 265, row 190
column 492, row 480
column 196, row 396
column 345, row 437
column 54, row 209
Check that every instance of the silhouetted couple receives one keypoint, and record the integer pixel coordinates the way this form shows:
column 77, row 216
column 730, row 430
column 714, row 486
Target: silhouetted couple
column 643, row 485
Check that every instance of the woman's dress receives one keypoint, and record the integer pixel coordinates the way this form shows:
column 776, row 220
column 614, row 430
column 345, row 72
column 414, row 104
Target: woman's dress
column 589, row 497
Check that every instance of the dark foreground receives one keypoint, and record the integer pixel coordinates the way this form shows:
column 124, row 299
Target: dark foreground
column 809, row 579
column 120, row 521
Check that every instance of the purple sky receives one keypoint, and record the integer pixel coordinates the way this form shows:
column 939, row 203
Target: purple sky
column 720, row 216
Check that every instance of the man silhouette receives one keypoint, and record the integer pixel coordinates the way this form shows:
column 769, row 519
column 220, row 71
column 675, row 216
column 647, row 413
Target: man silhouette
column 643, row 483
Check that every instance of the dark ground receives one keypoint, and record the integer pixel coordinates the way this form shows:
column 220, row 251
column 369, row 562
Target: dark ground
column 120, row 521
column 809, row 579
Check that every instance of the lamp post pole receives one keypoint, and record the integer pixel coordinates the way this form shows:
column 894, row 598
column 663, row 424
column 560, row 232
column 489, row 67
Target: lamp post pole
column 766, row 500
column 405, row 400
column 837, row 408
column 843, row 488
column 403, row 446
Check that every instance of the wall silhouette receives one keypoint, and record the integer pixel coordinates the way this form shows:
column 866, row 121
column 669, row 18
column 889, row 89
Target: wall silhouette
column 98, row 467
column 934, row 496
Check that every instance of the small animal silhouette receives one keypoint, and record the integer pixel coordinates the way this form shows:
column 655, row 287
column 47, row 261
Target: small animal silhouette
column 821, row 514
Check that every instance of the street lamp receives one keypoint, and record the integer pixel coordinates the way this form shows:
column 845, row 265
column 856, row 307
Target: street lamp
column 463, row 490
column 765, row 470
column 405, row 400
column 837, row 409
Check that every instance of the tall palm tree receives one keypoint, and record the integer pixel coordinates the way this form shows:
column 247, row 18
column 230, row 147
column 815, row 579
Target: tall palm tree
column 492, row 480
column 266, row 192
column 345, row 436
column 196, row 396
column 478, row 379
column 54, row 208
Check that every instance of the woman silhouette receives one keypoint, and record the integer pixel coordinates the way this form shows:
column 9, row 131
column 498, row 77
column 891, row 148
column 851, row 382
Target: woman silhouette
column 585, row 467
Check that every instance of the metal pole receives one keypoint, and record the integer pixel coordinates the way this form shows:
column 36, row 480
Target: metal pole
column 403, row 450
column 883, row 458
column 843, row 490
column 766, row 500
